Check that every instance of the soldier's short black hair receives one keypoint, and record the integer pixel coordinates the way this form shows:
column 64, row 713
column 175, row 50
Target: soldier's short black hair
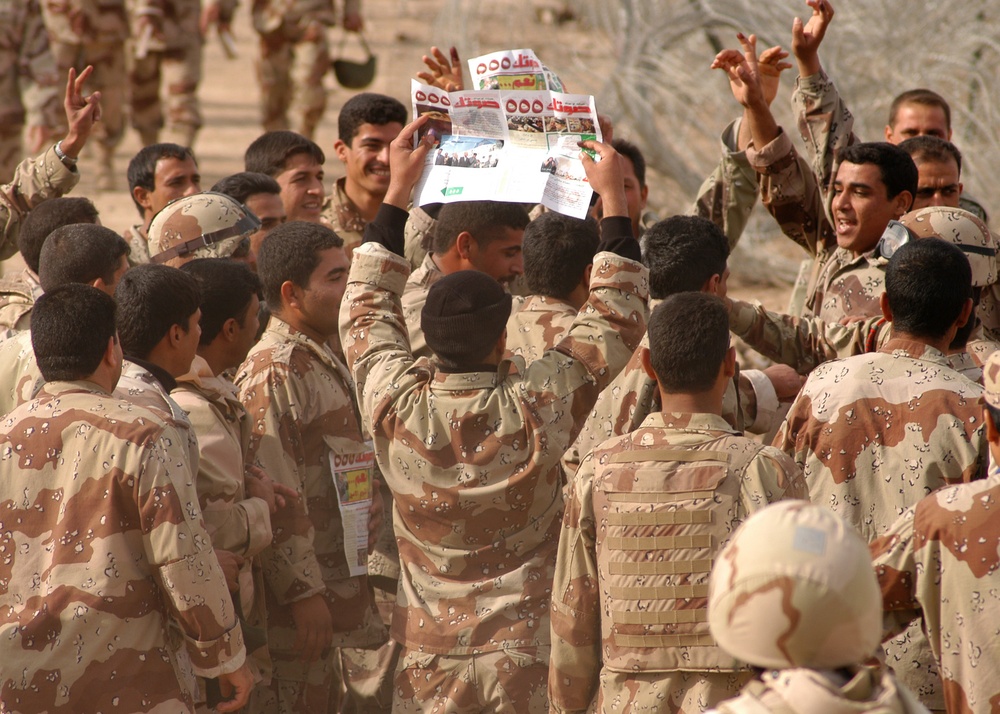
column 484, row 220
column 45, row 218
column 80, row 253
column 632, row 152
column 291, row 252
column 245, row 184
column 227, row 290
column 368, row 108
column 152, row 298
column 924, row 97
column 70, row 329
column 270, row 152
column 557, row 250
column 688, row 341
column 896, row 168
column 682, row 253
column 142, row 167
column 927, row 283
column 931, row 148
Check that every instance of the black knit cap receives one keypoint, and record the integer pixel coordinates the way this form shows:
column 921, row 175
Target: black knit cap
column 464, row 316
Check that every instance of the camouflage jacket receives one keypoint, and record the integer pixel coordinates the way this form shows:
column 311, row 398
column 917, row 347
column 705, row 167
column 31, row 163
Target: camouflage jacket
column 27, row 61
column 413, row 299
column 110, row 523
column 840, row 283
column 138, row 243
column 175, row 22
column 300, row 399
column 77, row 22
column 536, row 324
column 271, row 15
column 343, row 216
column 471, row 458
column 635, row 504
column 18, row 293
column 35, row 180
column 938, row 566
column 20, row 378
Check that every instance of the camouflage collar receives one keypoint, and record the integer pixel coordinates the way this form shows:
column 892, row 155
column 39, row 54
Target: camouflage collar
column 201, row 379
column 348, row 216
column 283, row 332
column 688, row 422
column 902, row 347
column 58, row 388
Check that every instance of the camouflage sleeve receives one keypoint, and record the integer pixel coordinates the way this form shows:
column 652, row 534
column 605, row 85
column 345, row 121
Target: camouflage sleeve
column 803, row 343
column 786, row 438
column 758, row 402
column 895, row 562
column 825, row 124
column 728, row 195
column 289, row 563
column 791, row 194
column 771, row 476
column 35, row 180
column 239, row 525
column 189, row 575
column 575, row 659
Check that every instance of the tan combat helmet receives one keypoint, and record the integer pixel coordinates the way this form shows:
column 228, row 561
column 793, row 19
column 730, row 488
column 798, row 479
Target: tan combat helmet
column 795, row 588
column 963, row 229
column 205, row 225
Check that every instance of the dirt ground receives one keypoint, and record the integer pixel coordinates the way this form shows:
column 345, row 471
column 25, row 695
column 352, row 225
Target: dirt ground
column 399, row 32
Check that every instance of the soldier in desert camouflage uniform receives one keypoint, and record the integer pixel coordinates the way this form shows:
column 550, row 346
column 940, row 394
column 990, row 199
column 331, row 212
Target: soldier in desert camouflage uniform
column 300, row 399
column 29, row 83
column 809, row 647
column 94, row 32
column 876, row 432
column 131, row 584
column 938, row 565
column 474, row 426
column 655, row 505
column 205, row 225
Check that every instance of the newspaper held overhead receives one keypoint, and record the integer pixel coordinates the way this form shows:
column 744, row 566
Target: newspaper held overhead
column 514, row 143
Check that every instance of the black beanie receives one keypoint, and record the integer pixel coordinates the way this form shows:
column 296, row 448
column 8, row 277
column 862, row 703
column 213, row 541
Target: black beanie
column 464, row 316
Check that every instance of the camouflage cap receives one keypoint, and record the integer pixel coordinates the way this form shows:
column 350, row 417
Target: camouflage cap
column 991, row 380
column 795, row 588
column 205, row 225
column 963, row 229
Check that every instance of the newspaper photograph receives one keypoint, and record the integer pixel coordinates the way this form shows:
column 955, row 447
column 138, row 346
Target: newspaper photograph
column 353, row 467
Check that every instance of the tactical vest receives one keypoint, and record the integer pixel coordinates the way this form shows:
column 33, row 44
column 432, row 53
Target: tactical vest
column 663, row 514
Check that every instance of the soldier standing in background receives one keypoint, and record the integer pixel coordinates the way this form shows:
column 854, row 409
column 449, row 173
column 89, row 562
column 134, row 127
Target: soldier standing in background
column 94, row 32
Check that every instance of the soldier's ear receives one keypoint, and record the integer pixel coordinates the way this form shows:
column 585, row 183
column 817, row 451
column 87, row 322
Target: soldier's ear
column 647, row 363
column 463, row 244
column 341, row 149
column 729, row 363
column 883, row 302
column 230, row 328
column 141, row 197
column 290, row 294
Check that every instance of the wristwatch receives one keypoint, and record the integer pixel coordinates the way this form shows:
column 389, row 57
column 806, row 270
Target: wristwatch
column 67, row 162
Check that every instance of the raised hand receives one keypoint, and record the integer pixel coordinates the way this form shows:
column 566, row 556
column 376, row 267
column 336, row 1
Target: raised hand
column 807, row 38
column 444, row 73
column 82, row 112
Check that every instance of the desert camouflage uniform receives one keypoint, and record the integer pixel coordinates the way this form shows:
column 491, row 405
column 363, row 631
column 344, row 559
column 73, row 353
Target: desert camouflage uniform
column 234, row 522
column 655, row 504
column 29, row 80
column 20, row 378
column 114, row 530
column 173, row 60
column 93, row 32
column 418, row 236
column 138, row 242
column 18, row 293
column 536, row 324
column 471, row 460
column 35, row 180
column 294, row 57
column 876, row 433
column 343, row 216
column 300, row 400
column 412, row 303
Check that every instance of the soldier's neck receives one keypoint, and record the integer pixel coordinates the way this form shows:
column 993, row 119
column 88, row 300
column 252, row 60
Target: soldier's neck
column 702, row 403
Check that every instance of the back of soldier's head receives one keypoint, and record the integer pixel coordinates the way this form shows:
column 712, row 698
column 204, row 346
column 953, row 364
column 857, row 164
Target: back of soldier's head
column 243, row 185
column 485, row 221
column 152, row 299
column 45, row 218
column 142, row 167
column 896, row 168
column 795, row 587
column 688, row 342
column 464, row 317
column 270, row 152
column 291, row 252
column 81, row 253
column 70, row 328
column 682, row 254
column 927, row 284
column 227, row 291
column 634, row 154
column 556, row 251
column 368, row 108
column 931, row 149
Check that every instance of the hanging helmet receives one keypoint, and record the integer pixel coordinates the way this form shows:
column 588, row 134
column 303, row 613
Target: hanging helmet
column 963, row 229
column 795, row 588
column 205, row 225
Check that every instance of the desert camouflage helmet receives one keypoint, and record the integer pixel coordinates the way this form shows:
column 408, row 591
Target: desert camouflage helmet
column 963, row 229
column 205, row 225
column 795, row 588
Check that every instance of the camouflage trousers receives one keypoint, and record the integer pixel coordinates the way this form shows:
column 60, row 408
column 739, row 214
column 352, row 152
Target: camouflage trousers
column 317, row 693
column 504, row 682
column 676, row 692
column 109, row 78
column 368, row 674
column 179, row 69
column 290, row 72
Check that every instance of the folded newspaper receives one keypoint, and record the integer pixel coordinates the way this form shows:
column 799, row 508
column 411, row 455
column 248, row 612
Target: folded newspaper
column 514, row 139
